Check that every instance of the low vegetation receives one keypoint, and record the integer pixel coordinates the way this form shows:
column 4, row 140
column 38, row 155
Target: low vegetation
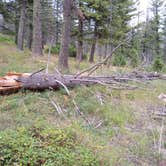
column 41, row 145
column 123, row 130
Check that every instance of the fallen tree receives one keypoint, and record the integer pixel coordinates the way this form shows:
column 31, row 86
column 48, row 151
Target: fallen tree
column 39, row 81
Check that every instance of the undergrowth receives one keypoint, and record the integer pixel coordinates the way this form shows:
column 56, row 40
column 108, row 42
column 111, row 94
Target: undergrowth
column 123, row 138
column 43, row 146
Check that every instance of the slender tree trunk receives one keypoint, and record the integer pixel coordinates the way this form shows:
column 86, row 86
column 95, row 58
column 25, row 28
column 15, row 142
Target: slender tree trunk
column 80, row 42
column 64, row 51
column 105, row 50
column 157, row 42
column 164, row 52
column 29, row 25
column 20, row 37
column 57, row 21
column 16, row 24
column 29, row 36
column 157, row 37
column 37, row 29
column 91, row 58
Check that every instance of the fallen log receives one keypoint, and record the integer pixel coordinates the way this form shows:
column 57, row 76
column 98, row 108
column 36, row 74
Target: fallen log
column 13, row 82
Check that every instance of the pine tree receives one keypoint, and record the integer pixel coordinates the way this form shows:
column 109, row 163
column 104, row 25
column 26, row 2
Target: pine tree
column 80, row 36
column 97, row 12
column 156, row 7
column 21, row 30
column 122, row 13
column 37, row 29
column 29, row 24
column 164, row 35
column 48, row 21
column 66, row 32
column 147, row 39
column 58, row 19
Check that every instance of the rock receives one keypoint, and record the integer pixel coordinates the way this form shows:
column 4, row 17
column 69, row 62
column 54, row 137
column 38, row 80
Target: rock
column 162, row 97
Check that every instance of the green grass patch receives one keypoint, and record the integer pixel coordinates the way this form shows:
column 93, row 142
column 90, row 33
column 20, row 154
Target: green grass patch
column 6, row 39
column 123, row 138
column 39, row 145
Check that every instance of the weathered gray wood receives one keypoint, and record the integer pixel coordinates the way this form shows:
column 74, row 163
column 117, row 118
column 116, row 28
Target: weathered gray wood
column 41, row 81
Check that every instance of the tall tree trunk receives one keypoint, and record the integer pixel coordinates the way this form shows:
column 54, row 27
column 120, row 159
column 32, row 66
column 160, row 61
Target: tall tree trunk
column 64, row 51
column 164, row 36
column 80, row 41
column 57, row 21
column 91, row 58
column 37, row 29
column 16, row 23
column 29, row 35
column 20, row 37
column 29, row 25
column 105, row 50
column 157, row 49
column 157, row 22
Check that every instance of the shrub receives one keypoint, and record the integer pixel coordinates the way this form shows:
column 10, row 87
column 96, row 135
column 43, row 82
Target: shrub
column 85, row 56
column 158, row 64
column 6, row 39
column 119, row 60
column 43, row 146
column 54, row 50
column 133, row 56
column 72, row 51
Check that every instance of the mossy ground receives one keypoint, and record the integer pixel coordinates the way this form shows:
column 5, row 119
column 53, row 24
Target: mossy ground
column 128, row 135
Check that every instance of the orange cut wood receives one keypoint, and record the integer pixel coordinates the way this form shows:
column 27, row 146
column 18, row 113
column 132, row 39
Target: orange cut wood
column 9, row 81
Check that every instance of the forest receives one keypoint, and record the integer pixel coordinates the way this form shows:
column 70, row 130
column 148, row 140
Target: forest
column 82, row 82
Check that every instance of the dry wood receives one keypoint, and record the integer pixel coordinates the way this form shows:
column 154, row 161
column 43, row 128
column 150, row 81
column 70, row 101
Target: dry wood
column 104, row 61
column 13, row 82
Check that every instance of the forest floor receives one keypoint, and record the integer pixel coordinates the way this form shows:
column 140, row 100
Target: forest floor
column 128, row 134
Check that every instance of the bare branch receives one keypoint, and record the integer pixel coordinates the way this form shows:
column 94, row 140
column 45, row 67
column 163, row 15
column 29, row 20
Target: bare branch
column 97, row 65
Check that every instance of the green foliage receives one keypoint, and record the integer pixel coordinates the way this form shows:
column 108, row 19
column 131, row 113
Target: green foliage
column 156, row 7
column 72, row 51
column 54, row 49
column 40, row 145
column 6, row 39
column 133, row 57
column 98, row 12
column 158, row 64
column 119, row 60
column 120, row 135
column 122, row 12
column 85, row 56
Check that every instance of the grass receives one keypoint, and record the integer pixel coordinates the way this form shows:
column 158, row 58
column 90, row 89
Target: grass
column 127, row 136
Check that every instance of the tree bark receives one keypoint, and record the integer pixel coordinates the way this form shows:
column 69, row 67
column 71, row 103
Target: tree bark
column 91, row 58
column 16, row 23
column 29, row 25
column 20, row 37
column 80, row 41
column 13, row 82
column 29, row 36
column 57, row 6
column 37, row 29
column 64, row 51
